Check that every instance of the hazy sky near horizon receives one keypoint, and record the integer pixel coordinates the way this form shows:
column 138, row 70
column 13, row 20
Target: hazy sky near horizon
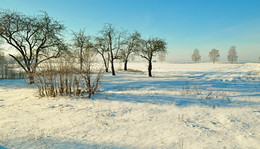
column 185, row 25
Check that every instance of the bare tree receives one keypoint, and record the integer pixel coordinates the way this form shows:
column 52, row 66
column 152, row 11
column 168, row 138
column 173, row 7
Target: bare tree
column 196, row 56
column 151, row 48
column 132, row 45
column 232, row 55
column 214, row 55
column 81, row 41
column 35, row 38
column 101, row 47
column 113, row 39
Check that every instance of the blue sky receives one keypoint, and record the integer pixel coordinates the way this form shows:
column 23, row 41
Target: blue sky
column 185, row 25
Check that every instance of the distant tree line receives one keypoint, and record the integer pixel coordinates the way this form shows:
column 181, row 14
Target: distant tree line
column 112, row 45
column 214, row 55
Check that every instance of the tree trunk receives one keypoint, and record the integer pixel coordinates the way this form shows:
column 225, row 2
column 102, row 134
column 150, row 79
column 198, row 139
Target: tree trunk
column 31, row 77
column 81, row 59
column 105, row 63
column 81, row 63
column 125, row 67
column 108, row 61
column 150, row 68
column 106, row 67
column 112, row 68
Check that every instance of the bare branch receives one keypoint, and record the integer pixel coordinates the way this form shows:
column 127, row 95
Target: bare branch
column 19, row 62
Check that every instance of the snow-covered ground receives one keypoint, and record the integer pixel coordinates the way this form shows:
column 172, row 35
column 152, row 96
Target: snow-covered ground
column 183, row 106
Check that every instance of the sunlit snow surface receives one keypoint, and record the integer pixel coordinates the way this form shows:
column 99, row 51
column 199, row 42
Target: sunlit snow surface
column 183, row 106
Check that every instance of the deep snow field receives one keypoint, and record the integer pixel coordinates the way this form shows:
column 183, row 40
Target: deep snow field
column 183, row 106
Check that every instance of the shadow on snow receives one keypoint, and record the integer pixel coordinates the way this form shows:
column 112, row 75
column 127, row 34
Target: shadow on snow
column 143, row 89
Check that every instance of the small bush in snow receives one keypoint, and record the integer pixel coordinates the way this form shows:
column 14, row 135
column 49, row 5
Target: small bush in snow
column 190, row 90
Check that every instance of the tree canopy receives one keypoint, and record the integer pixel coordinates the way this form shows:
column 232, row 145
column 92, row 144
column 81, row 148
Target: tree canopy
column 35, row 38
column 214, row 55
column 151, row 48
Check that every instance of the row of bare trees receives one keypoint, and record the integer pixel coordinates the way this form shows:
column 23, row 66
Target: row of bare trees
column 37, row 39
column 214, row 55
column 112, row 45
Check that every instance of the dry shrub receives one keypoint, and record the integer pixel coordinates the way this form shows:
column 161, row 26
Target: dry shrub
column 64, row 78
column 56, row 79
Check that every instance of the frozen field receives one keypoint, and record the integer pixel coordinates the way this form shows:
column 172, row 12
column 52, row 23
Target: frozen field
column 183, row 106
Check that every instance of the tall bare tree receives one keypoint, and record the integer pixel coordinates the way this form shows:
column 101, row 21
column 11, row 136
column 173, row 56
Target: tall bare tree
column 132, row 45
column 232, row 55
column 35, row 38
column 214, row 55
column 151, row 48
column 113, row 39
column 81, row 41
column 196, row 56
